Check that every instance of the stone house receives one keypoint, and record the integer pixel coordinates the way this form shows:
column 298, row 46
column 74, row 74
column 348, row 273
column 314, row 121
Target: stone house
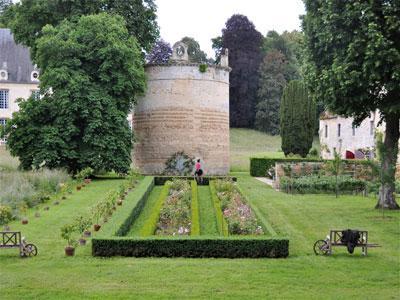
column 19, row 78
column 337, row 132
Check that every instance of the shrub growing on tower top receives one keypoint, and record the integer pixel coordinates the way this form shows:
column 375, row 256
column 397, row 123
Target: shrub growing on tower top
column 297, row 114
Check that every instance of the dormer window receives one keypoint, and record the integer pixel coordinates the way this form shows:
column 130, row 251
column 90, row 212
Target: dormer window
column 3, row 75
column 35, row 76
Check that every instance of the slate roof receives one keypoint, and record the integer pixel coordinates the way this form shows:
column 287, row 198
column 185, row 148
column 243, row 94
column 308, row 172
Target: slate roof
column 15, row 59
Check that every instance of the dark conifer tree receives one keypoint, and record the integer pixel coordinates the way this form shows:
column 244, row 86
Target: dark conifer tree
column 297, row 119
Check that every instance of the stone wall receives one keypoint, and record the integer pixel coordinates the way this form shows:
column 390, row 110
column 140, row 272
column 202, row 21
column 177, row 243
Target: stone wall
column 183, row 110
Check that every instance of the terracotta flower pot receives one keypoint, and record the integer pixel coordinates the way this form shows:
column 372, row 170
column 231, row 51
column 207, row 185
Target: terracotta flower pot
column 87, row 234
column 96, row 227
column 82, row 242
column 119, row 202
column 69, row 251
column 24, row 221
column 78, row 187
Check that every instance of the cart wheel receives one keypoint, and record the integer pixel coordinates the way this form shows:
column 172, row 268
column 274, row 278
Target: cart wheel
column 31, row 250
column 321, row 247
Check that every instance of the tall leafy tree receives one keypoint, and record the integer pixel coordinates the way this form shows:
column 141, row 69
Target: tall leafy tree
column 244, row 43
column 194, row 51
column 31, row 16
column 91, row 72
column 160, row 53
column 353, row 53
column 6, row 7
column 297, row 114
column 272, row 82
column 289, row 44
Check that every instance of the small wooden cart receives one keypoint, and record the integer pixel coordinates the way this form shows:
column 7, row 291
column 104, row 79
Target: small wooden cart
column 12, row 239
column 324, row 247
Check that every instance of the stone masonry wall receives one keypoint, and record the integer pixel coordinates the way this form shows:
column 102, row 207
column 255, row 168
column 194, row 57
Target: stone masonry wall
column 183, row 110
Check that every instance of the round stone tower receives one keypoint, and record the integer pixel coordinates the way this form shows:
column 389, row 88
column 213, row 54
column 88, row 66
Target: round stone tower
column 185, row 108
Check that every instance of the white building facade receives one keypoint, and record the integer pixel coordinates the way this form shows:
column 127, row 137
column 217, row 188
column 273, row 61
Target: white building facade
column 18, row 77
column 338, row 133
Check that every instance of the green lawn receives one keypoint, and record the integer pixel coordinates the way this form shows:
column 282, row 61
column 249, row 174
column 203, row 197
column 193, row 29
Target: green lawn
column 146, row 212
column 303, row 275
column 245, row 143
column 208, row 222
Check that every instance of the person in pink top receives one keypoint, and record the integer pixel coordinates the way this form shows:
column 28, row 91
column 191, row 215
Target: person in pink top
column 199, row 172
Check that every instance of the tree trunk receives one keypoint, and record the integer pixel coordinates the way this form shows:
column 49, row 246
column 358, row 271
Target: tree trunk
column 391, row 143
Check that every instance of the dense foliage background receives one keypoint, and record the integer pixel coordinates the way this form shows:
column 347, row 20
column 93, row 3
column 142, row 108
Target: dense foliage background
column 91, row 72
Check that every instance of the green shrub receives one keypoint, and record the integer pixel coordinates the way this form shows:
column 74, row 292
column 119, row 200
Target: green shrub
column 5, row 214
column 313, row 152
column 151, row 224
column 195, row 228
column 230, row 247
column 322, row 184
column 221, row 223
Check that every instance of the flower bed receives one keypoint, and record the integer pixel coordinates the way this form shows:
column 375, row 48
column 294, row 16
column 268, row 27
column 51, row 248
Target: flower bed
column 175, row 215
column 238, row 214
column 322, row 184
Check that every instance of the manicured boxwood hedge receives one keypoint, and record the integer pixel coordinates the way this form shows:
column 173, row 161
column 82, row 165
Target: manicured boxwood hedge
column 151, row 223
column 161, row 180
column 221, row 222
column 260, row 165
column 232, row 247
column 195, row 227
column 132, row 206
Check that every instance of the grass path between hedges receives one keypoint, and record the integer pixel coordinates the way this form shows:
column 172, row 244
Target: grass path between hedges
column 303, row 218
column 146, row 212
column 208, row 222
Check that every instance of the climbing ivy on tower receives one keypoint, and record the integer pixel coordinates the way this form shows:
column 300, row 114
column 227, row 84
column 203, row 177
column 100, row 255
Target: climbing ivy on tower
column 297, row 119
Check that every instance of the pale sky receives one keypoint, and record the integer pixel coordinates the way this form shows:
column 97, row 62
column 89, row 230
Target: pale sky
column 204, row 19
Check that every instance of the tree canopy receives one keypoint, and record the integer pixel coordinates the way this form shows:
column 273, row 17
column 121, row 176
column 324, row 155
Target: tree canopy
column 353, row 59
column 160, row 53
column 244, row 43
column 194, row 51
column 91, row 73
column 272, row 82
column 31, row 16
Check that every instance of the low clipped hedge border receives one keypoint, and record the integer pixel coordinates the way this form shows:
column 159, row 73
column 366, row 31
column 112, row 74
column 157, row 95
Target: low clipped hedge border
column 132, row 206
column 221, row 222
column 151, row 223
column 231, row 247
column 195, row 220
column 161, row 180
column 260, row 165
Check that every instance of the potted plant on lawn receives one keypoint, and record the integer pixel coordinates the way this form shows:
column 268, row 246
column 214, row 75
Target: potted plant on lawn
column 5, row 216
column 82, row 225
column 66, row 233
column 23, row 208
column 97, row 212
